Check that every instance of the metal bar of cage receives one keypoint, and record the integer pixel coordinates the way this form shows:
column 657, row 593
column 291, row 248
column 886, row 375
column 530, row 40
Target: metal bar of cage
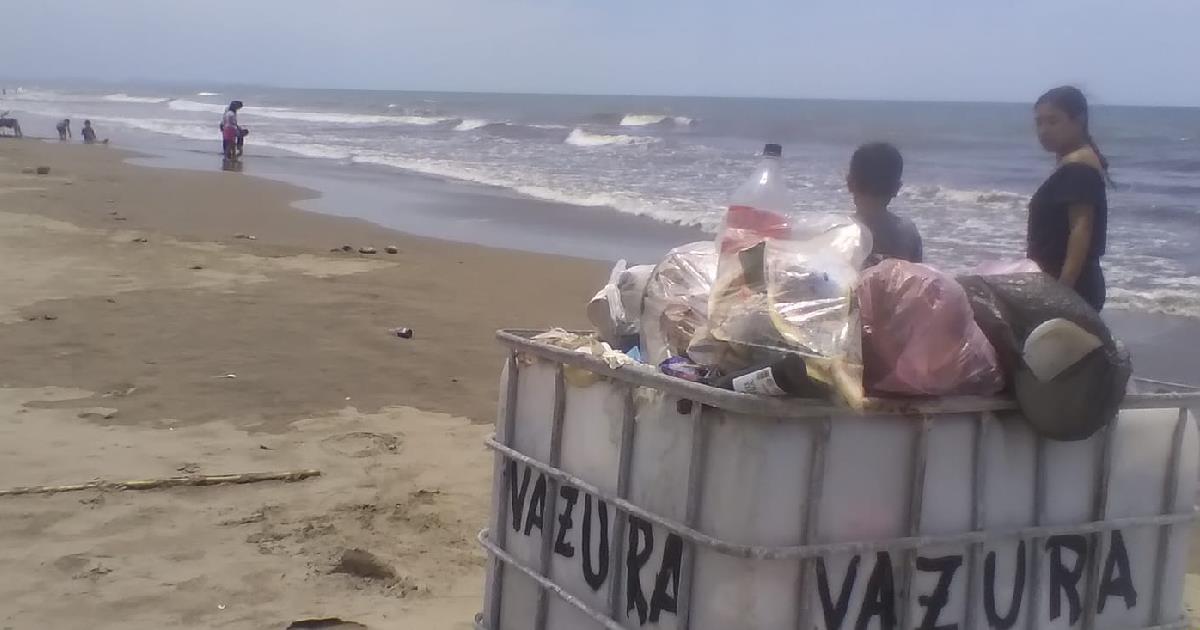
column 983, row 424
column 1099, row 513
column 548, row 521
column 916, row 499
column 624, row 463
column 812, row 516
column 695, row 489
column 500, row 483
column 1170, row 489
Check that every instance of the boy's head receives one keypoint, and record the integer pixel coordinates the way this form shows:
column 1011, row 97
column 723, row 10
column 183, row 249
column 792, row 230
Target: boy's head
column 875, row 172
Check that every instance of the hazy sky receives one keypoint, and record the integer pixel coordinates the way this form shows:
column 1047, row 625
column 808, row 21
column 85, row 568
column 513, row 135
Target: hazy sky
column 1120, row 51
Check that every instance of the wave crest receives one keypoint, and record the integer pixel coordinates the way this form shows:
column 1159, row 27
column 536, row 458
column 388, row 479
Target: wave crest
column 644, row 120
column 122, row 97
column 336, row 118
column 183, row 105
column 940, row 194
column 580, row 138
column 470, row 124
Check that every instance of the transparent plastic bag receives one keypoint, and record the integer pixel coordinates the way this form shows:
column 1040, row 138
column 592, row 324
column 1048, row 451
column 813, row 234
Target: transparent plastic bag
column 785, row 294
column 919, row 335
column 810, row 282
column 675, row 304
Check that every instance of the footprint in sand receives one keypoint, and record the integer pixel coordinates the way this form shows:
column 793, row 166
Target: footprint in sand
column 361, row 444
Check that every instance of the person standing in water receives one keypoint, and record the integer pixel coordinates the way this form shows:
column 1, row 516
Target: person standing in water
column 1068, row 215
column 88, row 133
column 64, row 129
column 230, row 130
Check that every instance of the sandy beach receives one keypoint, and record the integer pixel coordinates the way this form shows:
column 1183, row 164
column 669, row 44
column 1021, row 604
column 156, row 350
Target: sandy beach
column 145, row 336
column 144, row 340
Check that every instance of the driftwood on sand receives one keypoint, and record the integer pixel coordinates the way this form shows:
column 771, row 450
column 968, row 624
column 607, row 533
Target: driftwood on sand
column 167, row 482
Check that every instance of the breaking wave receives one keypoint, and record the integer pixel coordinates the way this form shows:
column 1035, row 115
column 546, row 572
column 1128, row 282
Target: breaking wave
column 336, row 118
column 580, row 138
column 953, row 196
column 183, row 105
column 644, row 120
column 469, row 124
column 125, row 98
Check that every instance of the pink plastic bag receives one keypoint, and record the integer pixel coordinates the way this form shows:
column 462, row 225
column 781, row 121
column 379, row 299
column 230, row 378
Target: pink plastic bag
column 919, row 336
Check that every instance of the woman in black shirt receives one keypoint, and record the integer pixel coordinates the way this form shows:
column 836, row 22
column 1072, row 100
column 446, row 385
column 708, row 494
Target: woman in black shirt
column 1068, row 215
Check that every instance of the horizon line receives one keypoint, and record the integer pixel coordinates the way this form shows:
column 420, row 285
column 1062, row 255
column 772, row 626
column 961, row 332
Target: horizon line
column 146, row 82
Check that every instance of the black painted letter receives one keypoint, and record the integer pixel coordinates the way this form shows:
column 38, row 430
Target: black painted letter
column 641, row 545
column 537, row 505
column 517, row 498
column 880, row 600
column 1113, row 584
column 835, row 613
column 945, row 566
column 561, row 547
column 594, row 578
column 667, row 578
column 989, row 591
column 1066, row 579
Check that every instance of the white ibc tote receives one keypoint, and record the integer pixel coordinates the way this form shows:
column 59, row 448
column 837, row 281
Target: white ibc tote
column 613, row 510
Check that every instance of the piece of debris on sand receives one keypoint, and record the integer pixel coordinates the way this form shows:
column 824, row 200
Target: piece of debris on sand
column 364, row 564
column 326, row 623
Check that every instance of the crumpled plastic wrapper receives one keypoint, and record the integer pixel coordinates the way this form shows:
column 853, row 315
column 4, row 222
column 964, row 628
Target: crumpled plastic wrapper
column 584, row 344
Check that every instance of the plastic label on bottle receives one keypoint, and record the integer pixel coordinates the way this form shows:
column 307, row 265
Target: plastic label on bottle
column 760, row 382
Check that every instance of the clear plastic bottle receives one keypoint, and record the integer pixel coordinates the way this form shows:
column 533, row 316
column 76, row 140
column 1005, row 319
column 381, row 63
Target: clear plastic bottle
column 758, row 208
column 738, row 302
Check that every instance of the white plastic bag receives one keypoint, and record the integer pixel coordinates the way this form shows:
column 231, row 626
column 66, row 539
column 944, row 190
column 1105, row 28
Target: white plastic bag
column 616, row 309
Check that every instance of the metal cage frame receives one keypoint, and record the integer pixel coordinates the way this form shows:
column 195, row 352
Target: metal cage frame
column 520, row 342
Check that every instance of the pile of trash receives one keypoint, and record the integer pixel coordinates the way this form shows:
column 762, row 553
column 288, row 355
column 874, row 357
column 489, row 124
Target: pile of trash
column 782, row 305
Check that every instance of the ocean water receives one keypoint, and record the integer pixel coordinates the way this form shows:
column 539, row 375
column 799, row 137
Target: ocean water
column 969, row 168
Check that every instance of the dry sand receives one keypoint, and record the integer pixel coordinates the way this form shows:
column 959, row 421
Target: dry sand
column 114, row 356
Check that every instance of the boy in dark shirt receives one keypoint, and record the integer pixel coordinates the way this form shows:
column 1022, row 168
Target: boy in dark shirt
column 873, row 182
